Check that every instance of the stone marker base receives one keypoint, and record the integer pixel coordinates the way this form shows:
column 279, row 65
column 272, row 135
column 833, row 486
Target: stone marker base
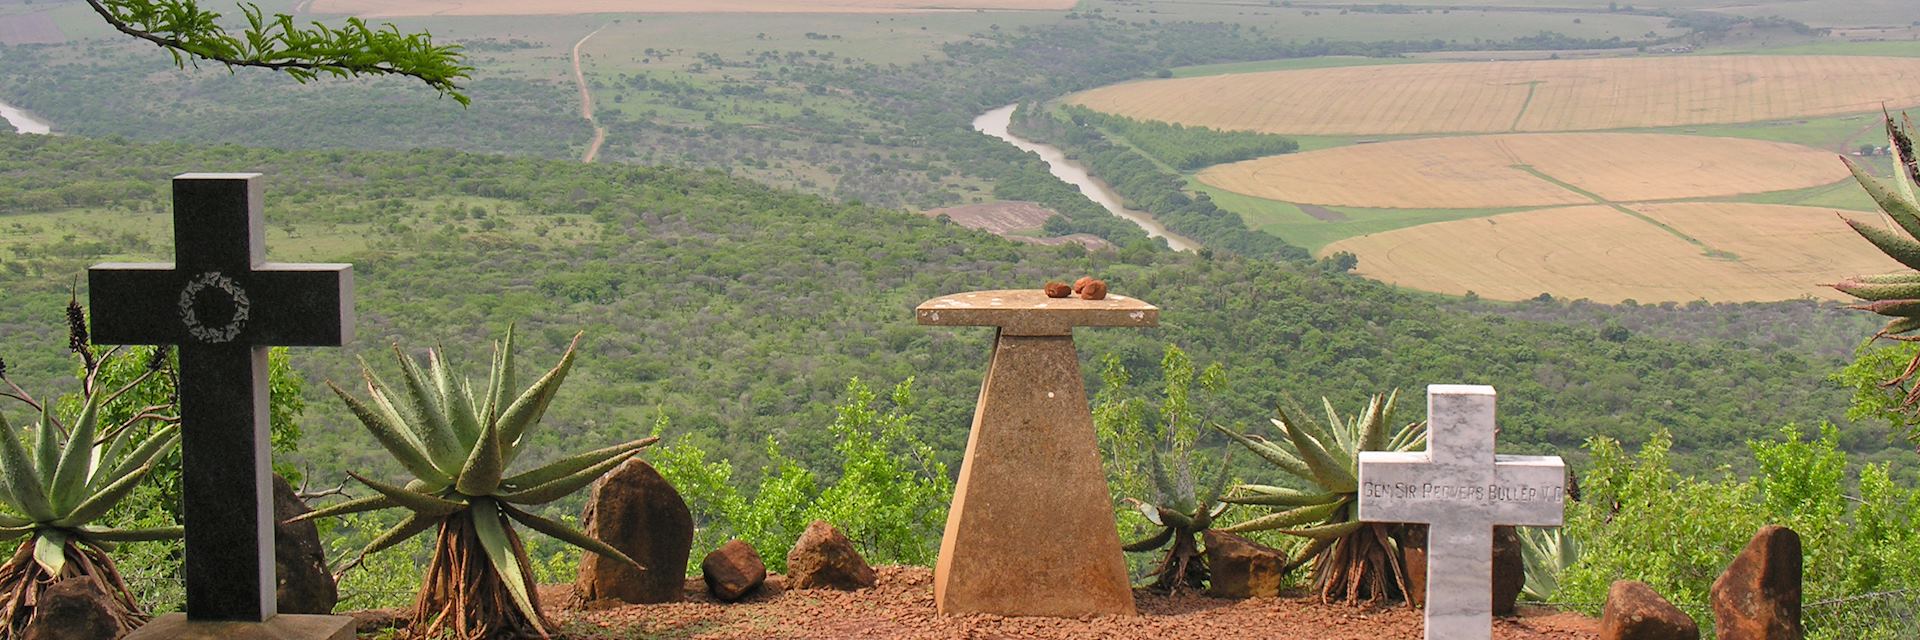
column 286, row 626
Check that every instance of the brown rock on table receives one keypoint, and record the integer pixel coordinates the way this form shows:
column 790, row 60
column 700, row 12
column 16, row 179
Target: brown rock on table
column 72, row 609
column 1031, row 530
column 1240, row 568
column 302, row 583
column 1758, row 596
column 637, row 511
column 1509, row 570
column 1635, row 611
column 823, row 558
column 733, row 570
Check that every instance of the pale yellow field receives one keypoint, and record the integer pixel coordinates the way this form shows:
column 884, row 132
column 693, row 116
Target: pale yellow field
column 1606, row 255
column 1539, row 95
column 391, row 9
column 1479, row 172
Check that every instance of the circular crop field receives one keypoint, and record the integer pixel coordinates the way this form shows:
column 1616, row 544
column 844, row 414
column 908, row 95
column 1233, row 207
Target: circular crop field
column 1721, row 252
column 1522, row 96
column 1522, row 170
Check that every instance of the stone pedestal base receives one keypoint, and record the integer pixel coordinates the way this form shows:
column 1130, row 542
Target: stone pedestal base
column 286, row 626
column 1031, row 530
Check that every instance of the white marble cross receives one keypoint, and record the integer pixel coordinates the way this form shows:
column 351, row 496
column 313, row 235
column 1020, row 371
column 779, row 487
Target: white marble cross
column 1461, row 490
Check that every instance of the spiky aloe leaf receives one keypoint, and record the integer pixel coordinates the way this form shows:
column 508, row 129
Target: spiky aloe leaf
column 573, row 464
column 50, row 551
column 8, row 521
column 1901, row 209
column 466, row 417
column 560, row 487
column 1899, row 277
column 100, row 503
column 1905, row 170
column 1330, row 531
column 104, row 534
column 1221, row 477
column 1279, row 496
column 1175, row 519
column 22, row 480
column 1289, row 418
column 526, row 410
column 1313, row 548
column 1412, row 437
column 410, row 452
column 436, row 431
column 1270, row 452
column 409, row 527
column 1329, row 472
column 480, row 476
column 1151, row 542
column 1337, row 427
column 1903, row 250
column 1289, row 518
column 356, row 505
column 500, row 379
column 411, row 500
column 1373, row 426
column 1900, row 325
column 493, row 540
column 1902, row 308
column 1871, row 291
column 161, row 441
column 1162, row 481
column 69, row 485
column 570, row 536
column 1150, row 512
column 14, row 533
column 46, row 442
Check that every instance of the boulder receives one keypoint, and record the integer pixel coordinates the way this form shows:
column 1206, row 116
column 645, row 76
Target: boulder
column 1758, row 597
column 377, row 620
column 1241, row 568
column 824, row 558
column 73, row 609
column 638, row 512
column 733, row 570
column 1635, row 612
column 302, row 583
column 1509, row 570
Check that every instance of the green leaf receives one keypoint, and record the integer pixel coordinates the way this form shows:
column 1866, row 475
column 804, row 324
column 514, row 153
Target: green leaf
column 1902, row 209
column 574, row 464
column 506, row 561
column 1271, row 453
column 412, row 500
column 466, row 418
column 155, row 445
column 526, row 411
column 1373, row 425
column 409, row 527
column 1289, row 518
column 50, row 551
column 404, row 448
column 100, row 503
column 559, row 488
column 1279, row 496
column 14, row 533
column 437, row 431
column 480, row 476
column 46, row 445
column 500, row 379
column 22, row 483
column 1150, row 543
column 1329, row 531
column 133, row 535
column 8, row 521
column 570, row 536
column 356, row 505
column 1902, row 250
column 69, row 485
column 1331, row 474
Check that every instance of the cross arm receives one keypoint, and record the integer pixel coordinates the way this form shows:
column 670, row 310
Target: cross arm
column 283, row 305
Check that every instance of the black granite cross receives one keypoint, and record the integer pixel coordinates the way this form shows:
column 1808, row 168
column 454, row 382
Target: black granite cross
column 223, row 305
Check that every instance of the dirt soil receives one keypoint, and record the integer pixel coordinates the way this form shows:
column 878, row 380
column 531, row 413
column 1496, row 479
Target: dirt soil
column 901, row 606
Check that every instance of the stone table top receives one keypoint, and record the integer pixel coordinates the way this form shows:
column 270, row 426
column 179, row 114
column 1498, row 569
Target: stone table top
column 1029, row 312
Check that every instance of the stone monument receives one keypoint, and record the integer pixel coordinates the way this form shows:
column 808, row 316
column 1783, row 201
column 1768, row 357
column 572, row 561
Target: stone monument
column 223, row 304
column 1460, row 489
column 1031, row 529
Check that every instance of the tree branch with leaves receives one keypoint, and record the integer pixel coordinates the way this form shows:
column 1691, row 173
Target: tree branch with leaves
column 277, row 43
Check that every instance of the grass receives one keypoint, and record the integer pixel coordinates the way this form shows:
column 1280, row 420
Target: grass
column 1295, row 226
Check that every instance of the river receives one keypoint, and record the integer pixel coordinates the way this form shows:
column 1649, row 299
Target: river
column 995, row 123
column 24, row 122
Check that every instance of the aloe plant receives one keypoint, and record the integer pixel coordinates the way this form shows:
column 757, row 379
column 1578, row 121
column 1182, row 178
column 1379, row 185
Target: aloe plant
column 458, row 446
column 1547, row 552
column 69, row 474
column 1351, row 559
column 1182, row 511
column 1894, row 295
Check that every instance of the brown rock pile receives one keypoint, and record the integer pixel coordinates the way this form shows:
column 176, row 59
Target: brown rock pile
column 638, row 512
column 824, row 558
column 1758, row 597
column 1635, row 612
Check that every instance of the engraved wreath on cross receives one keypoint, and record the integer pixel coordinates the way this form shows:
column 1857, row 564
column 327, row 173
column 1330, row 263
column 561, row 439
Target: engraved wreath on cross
column 241, row 307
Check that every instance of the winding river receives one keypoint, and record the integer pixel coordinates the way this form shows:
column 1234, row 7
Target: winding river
column 24, row 122
column 995, row 123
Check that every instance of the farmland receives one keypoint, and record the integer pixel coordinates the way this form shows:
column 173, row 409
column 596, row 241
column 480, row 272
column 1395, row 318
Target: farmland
column 1750, row 252
column 1525, row 170
column 1541, row 95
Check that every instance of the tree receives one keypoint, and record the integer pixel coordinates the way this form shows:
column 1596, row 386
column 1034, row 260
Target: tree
column 188, row 31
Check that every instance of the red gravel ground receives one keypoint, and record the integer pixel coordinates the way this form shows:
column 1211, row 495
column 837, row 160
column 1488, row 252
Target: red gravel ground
column 901, row 606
